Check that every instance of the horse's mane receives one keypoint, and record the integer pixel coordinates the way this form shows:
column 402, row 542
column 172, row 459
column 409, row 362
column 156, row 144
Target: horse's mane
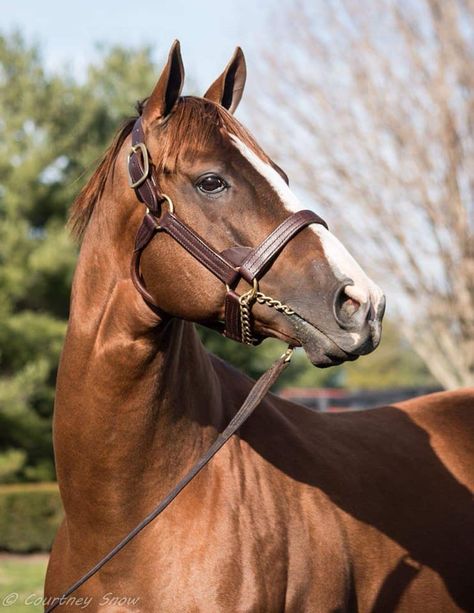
column 85, row 202
column 191, row 125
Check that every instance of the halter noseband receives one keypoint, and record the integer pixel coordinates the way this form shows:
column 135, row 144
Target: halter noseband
column 229, row 266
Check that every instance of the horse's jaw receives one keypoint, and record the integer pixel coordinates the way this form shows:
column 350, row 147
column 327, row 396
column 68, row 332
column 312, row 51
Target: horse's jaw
column 320, row 349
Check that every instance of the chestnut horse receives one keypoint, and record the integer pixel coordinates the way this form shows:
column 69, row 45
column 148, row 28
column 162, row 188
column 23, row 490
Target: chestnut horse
column 303, row 512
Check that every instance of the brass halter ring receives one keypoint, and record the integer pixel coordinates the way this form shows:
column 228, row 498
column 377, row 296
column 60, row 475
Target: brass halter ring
column 170, row 208
column 170, row 203
column 249, row 295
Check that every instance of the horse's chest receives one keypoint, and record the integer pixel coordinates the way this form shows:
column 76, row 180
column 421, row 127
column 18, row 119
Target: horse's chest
column 247, row 558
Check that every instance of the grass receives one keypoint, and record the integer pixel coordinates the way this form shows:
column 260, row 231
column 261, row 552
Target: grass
column 22, row 575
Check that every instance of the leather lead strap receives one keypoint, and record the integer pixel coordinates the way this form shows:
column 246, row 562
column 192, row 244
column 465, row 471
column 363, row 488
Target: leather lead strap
column 253, row 399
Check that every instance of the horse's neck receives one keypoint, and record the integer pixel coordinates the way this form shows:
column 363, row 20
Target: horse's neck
column 136, row 403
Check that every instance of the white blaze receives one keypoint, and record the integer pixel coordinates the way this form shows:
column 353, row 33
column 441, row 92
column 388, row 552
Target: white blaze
column 339, row 259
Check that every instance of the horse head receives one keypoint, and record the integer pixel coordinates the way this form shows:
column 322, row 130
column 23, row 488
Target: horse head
column 190, row 154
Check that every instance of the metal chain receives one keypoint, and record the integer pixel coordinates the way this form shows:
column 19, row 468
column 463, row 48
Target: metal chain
column 276, row 304
column 245, row 305
column 246, row 301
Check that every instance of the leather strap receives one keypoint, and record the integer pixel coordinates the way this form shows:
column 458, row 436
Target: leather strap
column 254, row 398
column 233, row 325
column 146, row 232
column 259, row 260
column 138, row 163
column 198, row 248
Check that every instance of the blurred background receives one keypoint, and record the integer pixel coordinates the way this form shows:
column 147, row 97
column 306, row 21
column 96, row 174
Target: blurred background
column 369, row 107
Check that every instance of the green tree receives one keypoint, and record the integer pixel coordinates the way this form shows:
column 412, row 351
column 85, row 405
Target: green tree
column 52, row 130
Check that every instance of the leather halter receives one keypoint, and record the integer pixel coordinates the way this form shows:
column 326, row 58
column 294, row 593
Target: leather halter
column 229, row 266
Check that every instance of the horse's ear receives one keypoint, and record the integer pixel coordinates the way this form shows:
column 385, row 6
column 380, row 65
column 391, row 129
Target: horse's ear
column 168, row 89
column 229, row 87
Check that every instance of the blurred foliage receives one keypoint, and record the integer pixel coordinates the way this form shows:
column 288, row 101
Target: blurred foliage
column 255, row 361
column 53, row 130
column 30, row 515
column 393, row 364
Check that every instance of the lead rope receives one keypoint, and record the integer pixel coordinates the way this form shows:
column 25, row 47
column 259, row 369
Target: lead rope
column 255, row 396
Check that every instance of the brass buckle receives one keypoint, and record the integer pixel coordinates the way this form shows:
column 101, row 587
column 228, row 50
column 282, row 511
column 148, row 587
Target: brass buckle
column 170, row 203
column 146, row 164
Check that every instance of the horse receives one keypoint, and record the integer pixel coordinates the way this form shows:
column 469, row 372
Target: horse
column 300, row 511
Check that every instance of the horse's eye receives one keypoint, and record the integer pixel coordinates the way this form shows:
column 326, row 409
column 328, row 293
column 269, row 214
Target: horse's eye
column 211, row 184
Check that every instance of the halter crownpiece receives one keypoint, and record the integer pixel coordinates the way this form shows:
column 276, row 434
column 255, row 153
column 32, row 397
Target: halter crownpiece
column 229, row 266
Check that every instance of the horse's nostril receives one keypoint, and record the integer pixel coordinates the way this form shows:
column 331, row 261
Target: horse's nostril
column 346, row 306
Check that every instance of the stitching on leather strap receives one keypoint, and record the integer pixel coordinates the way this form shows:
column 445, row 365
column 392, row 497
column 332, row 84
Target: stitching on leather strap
column 275, row 242
column 198, row 248
column 286, row 228
column 233, row 328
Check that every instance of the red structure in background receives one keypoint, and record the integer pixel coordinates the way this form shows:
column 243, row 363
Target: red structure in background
column 337, row 399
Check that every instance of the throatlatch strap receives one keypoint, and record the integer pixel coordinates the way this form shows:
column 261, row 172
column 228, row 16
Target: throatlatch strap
column 253, row 399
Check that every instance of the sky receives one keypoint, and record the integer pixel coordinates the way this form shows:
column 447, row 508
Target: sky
column 209, row 30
